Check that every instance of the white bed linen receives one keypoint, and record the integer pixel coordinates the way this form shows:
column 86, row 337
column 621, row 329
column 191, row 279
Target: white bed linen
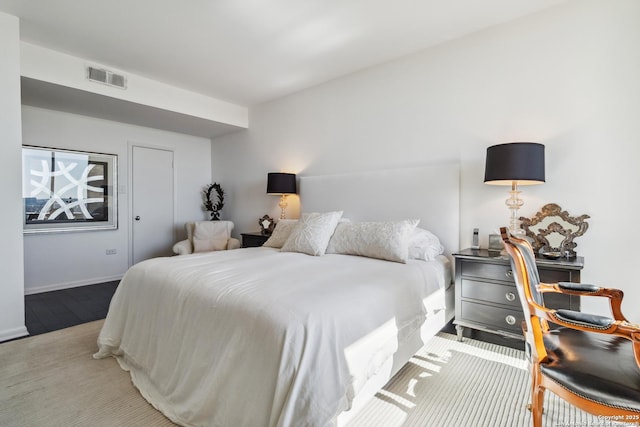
column 256, row 337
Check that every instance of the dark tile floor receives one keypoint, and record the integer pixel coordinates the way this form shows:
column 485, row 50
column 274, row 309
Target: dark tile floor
column 49, row 311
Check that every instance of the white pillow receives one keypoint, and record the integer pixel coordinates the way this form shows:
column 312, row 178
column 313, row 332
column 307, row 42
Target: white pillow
column 424, row 245
column 388, row 240
column 209, row 236
column 311, row 235
column 281, row 233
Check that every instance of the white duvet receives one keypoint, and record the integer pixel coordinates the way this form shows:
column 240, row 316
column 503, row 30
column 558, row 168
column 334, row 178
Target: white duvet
column 257, row 337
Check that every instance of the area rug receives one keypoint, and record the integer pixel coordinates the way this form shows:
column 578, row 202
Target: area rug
column 51, row 380
column 470, row 383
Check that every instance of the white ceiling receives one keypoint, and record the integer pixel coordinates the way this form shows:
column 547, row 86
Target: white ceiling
column 252, row 51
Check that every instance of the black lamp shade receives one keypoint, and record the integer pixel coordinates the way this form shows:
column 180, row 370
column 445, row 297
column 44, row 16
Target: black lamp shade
column 281, row 183
column 522, row 162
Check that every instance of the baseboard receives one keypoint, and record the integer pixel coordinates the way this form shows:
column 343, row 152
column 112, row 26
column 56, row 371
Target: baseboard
column 58, row 286
column 10, row 334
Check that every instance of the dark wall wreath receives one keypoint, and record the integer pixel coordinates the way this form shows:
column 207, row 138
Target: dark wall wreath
column 209, row 205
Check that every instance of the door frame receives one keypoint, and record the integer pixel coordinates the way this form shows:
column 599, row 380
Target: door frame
column 129, row 222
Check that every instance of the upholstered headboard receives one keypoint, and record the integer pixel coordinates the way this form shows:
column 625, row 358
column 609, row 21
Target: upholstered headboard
column 429, row 193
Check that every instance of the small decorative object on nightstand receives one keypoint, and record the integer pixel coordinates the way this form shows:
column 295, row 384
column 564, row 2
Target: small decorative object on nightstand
column 486, row 295
column 495, row 243
column 267, row 225
column 252, row 240
column 553, row 230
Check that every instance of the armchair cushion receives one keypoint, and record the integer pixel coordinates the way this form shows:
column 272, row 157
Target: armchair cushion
column 597, row 366
column 581, row 287
column 584, row 319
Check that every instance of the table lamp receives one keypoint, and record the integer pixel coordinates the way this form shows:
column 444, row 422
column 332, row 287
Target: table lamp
column 282, row 184
column 515, row 163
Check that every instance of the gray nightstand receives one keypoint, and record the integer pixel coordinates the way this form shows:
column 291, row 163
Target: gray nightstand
column 486, row 295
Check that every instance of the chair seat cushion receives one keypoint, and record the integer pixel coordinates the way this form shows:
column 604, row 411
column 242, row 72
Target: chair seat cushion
column 596, row 366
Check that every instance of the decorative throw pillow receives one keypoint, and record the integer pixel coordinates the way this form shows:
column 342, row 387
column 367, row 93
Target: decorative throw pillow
column 281, row 233
column 424, row 245
column 311, row 235
column 388, row 240
column 210, row 236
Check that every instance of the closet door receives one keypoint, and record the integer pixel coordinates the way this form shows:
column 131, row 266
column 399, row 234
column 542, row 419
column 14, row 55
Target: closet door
column 152, row 203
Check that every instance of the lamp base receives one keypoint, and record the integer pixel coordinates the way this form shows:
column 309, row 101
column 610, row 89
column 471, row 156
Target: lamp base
column 283, row 205
column 517, row 232
column 514, row 202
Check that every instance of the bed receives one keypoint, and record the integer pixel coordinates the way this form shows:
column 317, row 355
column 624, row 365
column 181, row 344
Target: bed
column 261, row 337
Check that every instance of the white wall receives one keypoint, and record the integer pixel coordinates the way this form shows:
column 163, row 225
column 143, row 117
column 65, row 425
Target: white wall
column 566, row 77
column 62, row 260
column 12, row 284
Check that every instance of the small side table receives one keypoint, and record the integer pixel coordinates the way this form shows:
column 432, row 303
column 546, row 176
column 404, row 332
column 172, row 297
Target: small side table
column 253, row 240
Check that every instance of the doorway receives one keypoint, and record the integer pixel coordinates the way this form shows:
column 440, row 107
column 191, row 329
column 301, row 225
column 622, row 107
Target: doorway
column 152, row 203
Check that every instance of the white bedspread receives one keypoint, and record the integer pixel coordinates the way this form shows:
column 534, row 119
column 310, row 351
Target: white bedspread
column 256, row 337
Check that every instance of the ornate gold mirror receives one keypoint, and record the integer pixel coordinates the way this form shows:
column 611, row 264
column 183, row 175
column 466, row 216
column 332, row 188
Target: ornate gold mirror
column 553, row 231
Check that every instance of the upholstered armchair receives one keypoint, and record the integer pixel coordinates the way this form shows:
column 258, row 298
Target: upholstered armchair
column 591, row 361
column 205, row 236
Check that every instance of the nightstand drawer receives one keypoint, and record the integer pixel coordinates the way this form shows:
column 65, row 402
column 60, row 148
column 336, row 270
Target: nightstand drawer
column 487, row 271
column 491, row 292
column 497, row 318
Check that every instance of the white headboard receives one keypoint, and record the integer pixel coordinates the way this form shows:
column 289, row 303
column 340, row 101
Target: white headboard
column 430, row 193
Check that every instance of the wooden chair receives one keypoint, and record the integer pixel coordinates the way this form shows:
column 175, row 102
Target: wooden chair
column 592, row 362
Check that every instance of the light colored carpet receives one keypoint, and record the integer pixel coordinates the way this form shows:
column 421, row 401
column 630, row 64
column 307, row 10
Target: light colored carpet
column 51, row 380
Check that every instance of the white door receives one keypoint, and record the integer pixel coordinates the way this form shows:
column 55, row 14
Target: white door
column 152, row 203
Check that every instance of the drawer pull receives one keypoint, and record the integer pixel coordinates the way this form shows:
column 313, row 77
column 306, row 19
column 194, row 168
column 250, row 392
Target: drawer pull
column 510, row 320
column 509, row 274
column 510, row 296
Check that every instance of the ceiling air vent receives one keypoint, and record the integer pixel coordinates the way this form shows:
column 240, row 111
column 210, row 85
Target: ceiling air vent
column 107, row 77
